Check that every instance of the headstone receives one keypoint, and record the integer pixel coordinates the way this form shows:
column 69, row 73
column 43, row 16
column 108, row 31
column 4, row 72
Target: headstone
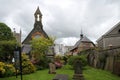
column 61, row 77
column 52, row 68
column 78, row 71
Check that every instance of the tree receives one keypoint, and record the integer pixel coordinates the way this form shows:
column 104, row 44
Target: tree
column 39, row 47
column 5, row 33
column 6, row 50
column 7, row 43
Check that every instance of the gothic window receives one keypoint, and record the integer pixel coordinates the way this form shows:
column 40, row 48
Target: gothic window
column 38, row 17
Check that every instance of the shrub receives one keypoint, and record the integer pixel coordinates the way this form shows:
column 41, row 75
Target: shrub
column 2, row 70
column 6, row 70
column 27, row 66
column 42, row 63
column 10, row 70
column 65, row 58
column 58, row 61
column 72, row 59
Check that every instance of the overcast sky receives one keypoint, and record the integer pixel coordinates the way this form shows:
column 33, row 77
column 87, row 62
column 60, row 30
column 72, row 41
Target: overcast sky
column 63, row 19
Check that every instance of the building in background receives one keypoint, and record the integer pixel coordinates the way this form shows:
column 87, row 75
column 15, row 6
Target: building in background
column 111, row 38
column 83, row 44
column 17, row 36
column 61, row 49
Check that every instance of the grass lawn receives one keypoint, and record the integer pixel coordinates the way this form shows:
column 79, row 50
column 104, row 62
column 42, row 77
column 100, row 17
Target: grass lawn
column 89, row 74
column 98, row 74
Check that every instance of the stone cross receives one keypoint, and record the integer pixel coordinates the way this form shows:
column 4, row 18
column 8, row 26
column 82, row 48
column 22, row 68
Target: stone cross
column 78, row 67
column 78, row 70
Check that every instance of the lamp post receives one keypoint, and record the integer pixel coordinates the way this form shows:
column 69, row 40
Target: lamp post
column 18, row 60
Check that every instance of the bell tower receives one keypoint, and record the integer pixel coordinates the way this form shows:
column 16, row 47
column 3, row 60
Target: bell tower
column 38, row 15
column 37, row 30
column 38, row 19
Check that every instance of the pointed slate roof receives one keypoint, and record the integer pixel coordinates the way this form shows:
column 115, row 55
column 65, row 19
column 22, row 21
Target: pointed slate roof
column 38, row 12
column 29, row 37
column 108, row 32
column 83, row 39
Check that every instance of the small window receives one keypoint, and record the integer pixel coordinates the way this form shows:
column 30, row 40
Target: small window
column 119, row 31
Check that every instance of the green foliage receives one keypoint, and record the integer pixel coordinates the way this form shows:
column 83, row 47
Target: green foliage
column 5, row 32
column 65, row 59
column 40, row 47
column 6, row 69
column 58, row 57
column 6, row 50
column 27, row 66
column 7, row 43
column 43, row 63
column 72, row 60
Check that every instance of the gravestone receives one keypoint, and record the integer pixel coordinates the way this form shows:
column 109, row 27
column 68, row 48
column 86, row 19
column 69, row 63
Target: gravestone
column 52, row 68
column 61, row 77
column 78, row 71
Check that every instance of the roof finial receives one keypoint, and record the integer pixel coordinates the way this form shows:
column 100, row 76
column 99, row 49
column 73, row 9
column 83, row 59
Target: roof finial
column 81, row 35
column 38, row 11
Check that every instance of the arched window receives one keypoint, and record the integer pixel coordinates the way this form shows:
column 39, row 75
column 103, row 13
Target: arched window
column 38, row 17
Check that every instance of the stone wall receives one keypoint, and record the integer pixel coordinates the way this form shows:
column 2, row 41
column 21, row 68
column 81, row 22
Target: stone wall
column 111, row 40
column 105, row 59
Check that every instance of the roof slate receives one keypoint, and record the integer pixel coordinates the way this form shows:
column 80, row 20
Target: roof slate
column 84, row 39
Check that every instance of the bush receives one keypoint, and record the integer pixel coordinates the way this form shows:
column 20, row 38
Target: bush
column 65, row 58
column 27, row 66
column 6, row 70
column 42, row 63
column 72, row 59
column 2, row 70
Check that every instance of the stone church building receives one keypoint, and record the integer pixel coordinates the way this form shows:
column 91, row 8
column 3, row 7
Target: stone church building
column 36, row 32
column 111, row 38
column 83, row 44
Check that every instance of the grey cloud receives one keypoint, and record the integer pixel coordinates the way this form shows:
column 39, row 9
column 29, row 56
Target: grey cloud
column 64, row 18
